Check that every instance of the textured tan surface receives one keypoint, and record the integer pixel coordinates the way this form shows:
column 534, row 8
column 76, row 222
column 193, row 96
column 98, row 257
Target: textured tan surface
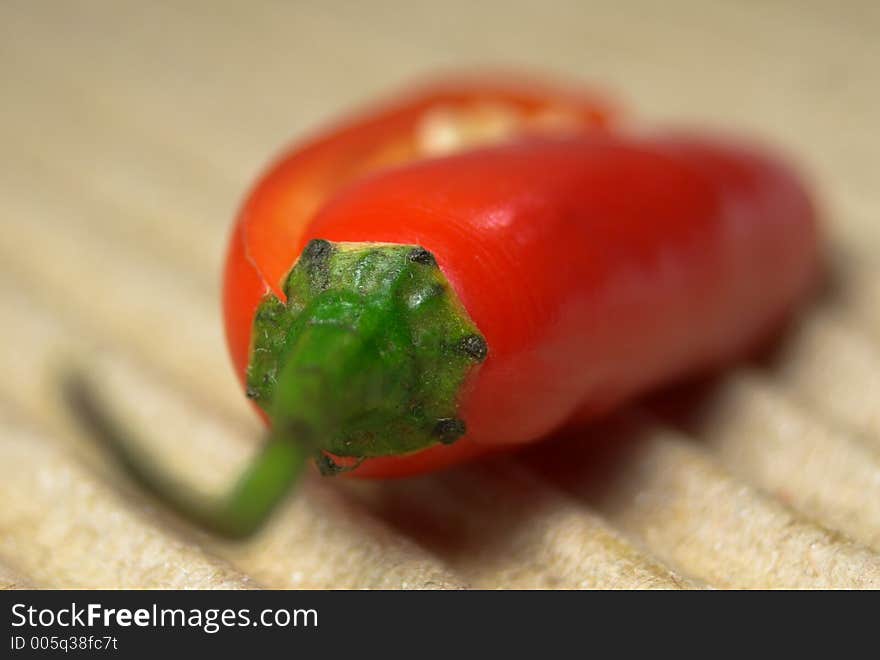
column 129, row 133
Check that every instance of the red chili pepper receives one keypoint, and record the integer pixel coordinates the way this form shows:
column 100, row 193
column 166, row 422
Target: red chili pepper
column 409, row 312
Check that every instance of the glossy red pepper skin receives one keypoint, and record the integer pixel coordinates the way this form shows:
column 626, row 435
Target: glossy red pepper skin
column 596, row 267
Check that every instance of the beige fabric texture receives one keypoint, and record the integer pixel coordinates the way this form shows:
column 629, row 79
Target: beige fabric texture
column 130, row 131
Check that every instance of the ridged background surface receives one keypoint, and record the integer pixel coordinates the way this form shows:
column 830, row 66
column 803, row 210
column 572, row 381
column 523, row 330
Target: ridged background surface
column 131, row 130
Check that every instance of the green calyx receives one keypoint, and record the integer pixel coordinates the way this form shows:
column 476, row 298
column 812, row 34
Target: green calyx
column 366, row 358
column 368, row 354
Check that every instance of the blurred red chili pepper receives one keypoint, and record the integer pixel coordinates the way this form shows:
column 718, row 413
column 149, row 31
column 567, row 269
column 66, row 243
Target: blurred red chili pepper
column 479, row 266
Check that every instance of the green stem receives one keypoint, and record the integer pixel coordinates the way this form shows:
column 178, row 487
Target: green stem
column 312, row 396
column 237, row 514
